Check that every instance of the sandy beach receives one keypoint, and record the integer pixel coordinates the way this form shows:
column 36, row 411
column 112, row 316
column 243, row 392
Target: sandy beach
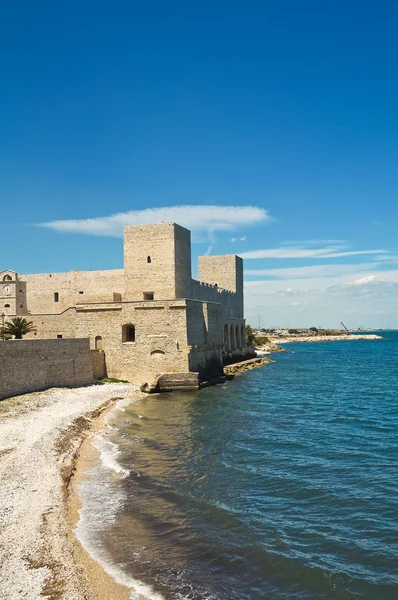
column 42, row 436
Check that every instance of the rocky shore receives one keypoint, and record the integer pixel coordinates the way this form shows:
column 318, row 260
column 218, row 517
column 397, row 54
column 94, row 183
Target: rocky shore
column 40, row 440
column 246, row 365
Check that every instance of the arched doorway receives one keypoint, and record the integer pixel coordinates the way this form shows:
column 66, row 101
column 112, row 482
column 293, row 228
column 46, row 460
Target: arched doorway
column 98, row 343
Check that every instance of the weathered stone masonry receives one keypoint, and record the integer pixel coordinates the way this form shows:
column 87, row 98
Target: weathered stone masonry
column 33, row 365
column 147, row 319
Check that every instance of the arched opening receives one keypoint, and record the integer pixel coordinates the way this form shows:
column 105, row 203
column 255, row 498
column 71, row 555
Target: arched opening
column 237, row 337
column 232, row 338
column 6, row 306
column 148, row 259
column 243, row 336
column 7, row 278
column 128, row 333
column 98, row 342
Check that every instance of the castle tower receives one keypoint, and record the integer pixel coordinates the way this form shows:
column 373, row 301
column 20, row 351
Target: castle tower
column 12, row 294
column 226, row 272
column 157, row 262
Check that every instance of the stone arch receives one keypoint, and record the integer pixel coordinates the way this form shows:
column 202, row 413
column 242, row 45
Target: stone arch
column 98, row 342
column 157, row 354
column 232, row 337
column 7, row 277
column 237, row 337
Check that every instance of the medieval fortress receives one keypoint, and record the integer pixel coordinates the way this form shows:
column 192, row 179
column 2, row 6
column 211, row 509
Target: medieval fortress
column 148, row 320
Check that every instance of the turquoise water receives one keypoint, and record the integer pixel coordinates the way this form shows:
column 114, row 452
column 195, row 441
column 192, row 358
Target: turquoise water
column 282, row 483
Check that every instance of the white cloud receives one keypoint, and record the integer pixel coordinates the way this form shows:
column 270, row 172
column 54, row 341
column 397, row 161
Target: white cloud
column 194, row 217
column 233, row 239
column 357, row 299
column 368, row 279
column 302, row 252
column 311, row 271
column 242, row 239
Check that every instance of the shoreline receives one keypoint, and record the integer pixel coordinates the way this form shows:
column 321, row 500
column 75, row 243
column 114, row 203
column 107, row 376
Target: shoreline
column 101, row 585
column 325, row 338
column 44, row 445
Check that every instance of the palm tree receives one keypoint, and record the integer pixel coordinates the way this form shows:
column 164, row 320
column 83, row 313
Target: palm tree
column 18, row 326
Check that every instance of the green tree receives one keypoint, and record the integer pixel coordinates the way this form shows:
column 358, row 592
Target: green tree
column 249, row 335
column 18, row 327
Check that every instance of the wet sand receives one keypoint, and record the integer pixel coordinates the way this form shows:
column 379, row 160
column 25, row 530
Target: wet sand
column 44, row 450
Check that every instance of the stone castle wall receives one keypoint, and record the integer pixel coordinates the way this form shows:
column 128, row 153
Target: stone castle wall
column 72, row 287
column 184, row 325
column 33, row 365
column 157, row 260
column 160, row 340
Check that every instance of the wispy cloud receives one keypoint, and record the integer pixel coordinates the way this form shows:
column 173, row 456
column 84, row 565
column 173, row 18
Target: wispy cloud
column 304, row 252
column 208, row 218
column 334, row 270
column 367, row 299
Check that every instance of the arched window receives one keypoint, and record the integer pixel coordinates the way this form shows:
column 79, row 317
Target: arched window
column 7, row 278
column 128, row 333
column 6, row 306
column 98, row 342
column 148, row 259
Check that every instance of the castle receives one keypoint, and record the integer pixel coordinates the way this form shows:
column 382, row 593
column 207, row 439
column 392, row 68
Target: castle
column 147, row 320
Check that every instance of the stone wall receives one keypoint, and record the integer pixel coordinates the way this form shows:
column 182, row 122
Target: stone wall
column 33, row 365
column 160, row 337
column 226, row 272
column 183, row 326
column 72, row 288
column 231, row 303
column 98, row 363
column 204, row 338
column 157, row 259
column 53, row 325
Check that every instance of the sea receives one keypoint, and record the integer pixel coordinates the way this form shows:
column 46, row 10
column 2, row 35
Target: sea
column 281, row 483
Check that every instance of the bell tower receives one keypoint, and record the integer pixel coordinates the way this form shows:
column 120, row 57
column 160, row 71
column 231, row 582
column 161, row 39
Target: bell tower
column 12, row 294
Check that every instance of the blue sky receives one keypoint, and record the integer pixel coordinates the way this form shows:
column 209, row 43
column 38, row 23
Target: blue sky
column 287, row 110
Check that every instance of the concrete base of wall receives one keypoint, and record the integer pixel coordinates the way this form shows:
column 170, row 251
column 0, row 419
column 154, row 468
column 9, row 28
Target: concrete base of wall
column 172, row 382
column 239, row 355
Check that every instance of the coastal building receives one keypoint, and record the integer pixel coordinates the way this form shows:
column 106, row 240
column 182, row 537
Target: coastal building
column 148, row 320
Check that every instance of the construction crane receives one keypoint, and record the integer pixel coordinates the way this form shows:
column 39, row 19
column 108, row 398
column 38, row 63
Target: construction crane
column 341, row 322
